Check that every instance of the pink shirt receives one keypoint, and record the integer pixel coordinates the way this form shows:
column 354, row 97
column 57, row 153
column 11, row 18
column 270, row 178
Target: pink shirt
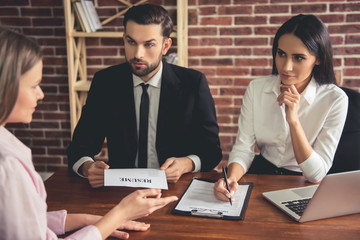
column 23, row 209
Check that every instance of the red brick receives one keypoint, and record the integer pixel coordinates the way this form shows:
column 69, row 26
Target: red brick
column 227, row 129
column 234, row 10
column 250, row 20
column 236, row 31
column 192, row 17
column 214, row 2
column 43, row 3
column 36, row 12
column 102, row 51
column 266, row 31
column 202, row 31
column 353, row 18
column 216, row 21
column 232, row 71
column 202, row 52
column 250, row 1
column 352, row 72
column 351, row 28
column 216, row 62
column 193, row 42
column 352, row 39
column 345, row 7
column 267, row 52
column 234, row 91
column 261, row 71
column 223, row 119
column 250, row 62
column 222, row 101
column 352, row 61
column 14, row 3
column 246, row 41
column 352, row 83
column 207, row 10
column 18, row 22
column 272, row 9
column 37, row 22
column 216, row 41
column 220, row 81
column 8, row 11
column 346, row 50
column 235, row 51
column 310, row 8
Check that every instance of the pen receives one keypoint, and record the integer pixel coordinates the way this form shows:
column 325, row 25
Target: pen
column 226, row 182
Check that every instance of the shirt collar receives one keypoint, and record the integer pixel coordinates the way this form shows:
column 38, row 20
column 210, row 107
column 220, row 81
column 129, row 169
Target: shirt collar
column 308, row 94
column 155, row 81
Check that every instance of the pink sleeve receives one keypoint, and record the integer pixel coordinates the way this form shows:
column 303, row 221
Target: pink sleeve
column 56, row 221
column 89, row 233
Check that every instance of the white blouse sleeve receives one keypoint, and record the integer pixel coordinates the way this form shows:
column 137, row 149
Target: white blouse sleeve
column 243, row 151
column 318, row 164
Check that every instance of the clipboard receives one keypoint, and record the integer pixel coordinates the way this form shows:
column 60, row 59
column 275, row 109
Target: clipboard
column 199, row 200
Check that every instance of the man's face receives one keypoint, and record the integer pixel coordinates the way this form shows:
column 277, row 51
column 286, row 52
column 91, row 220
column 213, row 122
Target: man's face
column 144, row 48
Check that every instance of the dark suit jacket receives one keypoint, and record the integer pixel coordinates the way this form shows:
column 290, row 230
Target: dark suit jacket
column 186, row 119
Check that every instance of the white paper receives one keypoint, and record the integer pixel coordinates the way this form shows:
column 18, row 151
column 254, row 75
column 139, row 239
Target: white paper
column 136, row 177
column 200, row 197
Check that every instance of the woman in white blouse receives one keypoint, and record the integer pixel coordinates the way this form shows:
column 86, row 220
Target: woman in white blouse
column 296, row 115
column 23, row 210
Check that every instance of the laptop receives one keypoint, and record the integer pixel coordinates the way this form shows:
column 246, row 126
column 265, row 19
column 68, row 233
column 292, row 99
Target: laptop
column 338, row 194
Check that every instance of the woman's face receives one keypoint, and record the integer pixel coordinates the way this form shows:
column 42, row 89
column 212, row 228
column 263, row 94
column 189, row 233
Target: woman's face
column 29, row 94
column 294, row 62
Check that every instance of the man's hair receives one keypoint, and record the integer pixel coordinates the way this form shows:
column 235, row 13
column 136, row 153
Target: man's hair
column 146, row 14
column 313, row 33
column 18, row 54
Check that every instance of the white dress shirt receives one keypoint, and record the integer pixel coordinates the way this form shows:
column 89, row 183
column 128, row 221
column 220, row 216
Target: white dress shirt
column 154, row 100
column 322, row 112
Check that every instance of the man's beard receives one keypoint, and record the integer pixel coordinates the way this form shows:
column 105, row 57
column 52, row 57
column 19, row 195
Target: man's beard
column 141, row 72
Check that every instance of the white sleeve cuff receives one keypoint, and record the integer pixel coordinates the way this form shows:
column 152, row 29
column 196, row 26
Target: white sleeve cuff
column 312, row 169
column 78, row 164
column 196, row 161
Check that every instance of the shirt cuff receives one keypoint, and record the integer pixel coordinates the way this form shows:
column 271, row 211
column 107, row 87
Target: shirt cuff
column 56, row 221
column 78, row 164
column 311, row 168
column 196, row 161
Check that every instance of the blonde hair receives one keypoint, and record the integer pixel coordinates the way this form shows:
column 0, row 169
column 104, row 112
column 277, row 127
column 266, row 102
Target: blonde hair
column 18, row 54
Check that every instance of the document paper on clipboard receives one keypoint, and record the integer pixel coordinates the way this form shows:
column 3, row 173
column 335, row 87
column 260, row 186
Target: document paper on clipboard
column 199, row 200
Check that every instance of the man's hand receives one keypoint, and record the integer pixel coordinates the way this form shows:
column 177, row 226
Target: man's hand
column 176, row 167
column 94, row 171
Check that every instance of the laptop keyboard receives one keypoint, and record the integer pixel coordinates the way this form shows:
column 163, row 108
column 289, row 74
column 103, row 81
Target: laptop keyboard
column 297, row 206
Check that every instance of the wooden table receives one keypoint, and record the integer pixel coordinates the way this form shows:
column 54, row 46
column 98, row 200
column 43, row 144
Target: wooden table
column 262, row 219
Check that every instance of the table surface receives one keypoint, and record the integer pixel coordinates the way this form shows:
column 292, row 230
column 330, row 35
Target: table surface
column 262, row 219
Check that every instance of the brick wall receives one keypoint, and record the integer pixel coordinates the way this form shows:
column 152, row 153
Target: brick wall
column 229, row 40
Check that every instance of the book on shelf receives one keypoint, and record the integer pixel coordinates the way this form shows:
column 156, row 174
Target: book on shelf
column 80, row 13
column 91, row 15
column 87, row 15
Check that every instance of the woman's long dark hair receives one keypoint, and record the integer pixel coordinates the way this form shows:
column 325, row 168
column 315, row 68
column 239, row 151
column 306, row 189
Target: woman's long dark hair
column 313, row 33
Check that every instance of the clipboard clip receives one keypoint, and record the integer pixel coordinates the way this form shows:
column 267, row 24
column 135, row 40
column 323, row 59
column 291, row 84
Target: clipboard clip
column 207, row 213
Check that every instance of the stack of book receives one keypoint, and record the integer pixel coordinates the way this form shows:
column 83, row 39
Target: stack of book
column 87, row 16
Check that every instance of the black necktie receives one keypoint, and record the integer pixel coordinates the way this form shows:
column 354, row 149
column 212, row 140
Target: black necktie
column 143, row 128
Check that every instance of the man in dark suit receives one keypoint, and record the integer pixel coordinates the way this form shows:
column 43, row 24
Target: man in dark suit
column 153, row 114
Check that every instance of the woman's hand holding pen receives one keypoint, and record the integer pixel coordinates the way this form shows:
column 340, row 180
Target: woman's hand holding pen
column 221, row 192
column 291, row 98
